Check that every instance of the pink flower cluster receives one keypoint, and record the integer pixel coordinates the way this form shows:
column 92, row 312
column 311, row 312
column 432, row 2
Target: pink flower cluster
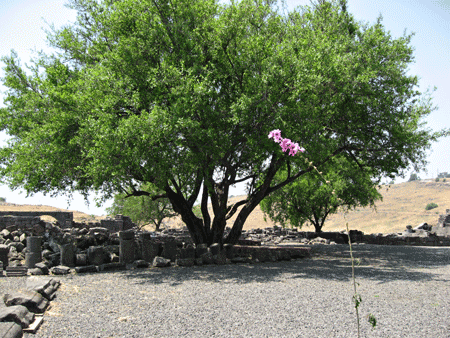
column 285, row 143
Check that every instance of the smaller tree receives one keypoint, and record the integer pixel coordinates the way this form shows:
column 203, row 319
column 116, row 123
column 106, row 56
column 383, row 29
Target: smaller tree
column 413, row 177
column 315, row 196
column 142, row 209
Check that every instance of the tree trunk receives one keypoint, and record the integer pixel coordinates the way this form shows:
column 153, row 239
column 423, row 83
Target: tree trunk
column 236, row 230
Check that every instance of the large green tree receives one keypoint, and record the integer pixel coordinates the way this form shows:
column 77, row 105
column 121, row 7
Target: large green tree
column 313, row 197
column 183, row 93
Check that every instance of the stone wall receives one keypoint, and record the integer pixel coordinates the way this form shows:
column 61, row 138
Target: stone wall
column 19, row 222
column 64, row 218
column 31, row 220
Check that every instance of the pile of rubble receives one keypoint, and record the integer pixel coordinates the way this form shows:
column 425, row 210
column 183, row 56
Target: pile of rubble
column 23, row 311
column 51, row 249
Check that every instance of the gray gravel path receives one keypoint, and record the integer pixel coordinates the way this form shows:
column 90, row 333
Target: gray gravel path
column 406, row 288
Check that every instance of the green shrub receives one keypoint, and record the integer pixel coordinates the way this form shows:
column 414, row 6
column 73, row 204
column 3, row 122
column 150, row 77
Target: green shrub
column 2, row 200
column 431, row 206
column 437, row 179
column 444, row 180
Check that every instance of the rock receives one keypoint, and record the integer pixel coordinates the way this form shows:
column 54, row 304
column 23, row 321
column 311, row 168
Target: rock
column 35, row 272
column 214, row 248
column 185, row 261
column 10, row 330
column 86, row 268
column 32, row 300
column 18, row 314
column 409, row 229
column 161, row 262
column 207, row 258
column 97, row 255
column 140, row 264
column 319, row 240
column 112, row 266
column 6, row 234
column 44, row 286
column 423, row 226
column 220, row 259
column 201, row 249
column 18, row 245
column 170, row 250
column 60, row 270
column 4, row 250
column 43, row 267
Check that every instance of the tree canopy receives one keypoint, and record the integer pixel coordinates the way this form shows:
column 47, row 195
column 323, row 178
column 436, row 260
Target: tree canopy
column 313, row 197
column 183, row 93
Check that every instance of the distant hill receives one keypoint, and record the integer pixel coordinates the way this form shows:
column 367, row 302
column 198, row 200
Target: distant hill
column 403, row 204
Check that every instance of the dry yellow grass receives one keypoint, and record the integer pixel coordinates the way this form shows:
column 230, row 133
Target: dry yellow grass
column 403, row 204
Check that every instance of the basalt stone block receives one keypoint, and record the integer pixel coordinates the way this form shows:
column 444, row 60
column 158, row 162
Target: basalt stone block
column 17, row 314
column 127, row 250
column 32, row 300
column 67, row 252
column 54, row 259
column 31, row 258
column 18, row 245
column 86, row 268
column 161, row 262
column 140, row 263
column 4, row 250
column 207, row 258
column 6, row 234
column 185, row 261
column 126, row 235
column 34, row 244
column 60, row 270
column 10, row 330
column 96, row 255
column 35, row 272
column 215, row 249
column 16, row 271
column 44, row 286
column 43, row 267
column 170, row 250
column 201, row 249
column 187, row 253
column 46, row 253
column 262, row 255
column 150, row 250
column 285, row 254
column 112, row 266
column 229, row 250
column 81, row 259
column 220, row 259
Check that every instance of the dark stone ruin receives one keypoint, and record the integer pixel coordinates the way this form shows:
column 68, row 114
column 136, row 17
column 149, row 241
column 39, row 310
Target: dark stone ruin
column 29, row 246
column 23, row 311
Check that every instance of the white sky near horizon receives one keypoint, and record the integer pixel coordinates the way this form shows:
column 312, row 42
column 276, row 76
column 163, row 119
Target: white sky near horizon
column 22, row 24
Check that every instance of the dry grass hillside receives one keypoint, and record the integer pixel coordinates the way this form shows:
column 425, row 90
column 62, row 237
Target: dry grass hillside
column 403, row 204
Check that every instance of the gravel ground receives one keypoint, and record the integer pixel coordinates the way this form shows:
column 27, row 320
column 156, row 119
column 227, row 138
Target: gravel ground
column 406, row 288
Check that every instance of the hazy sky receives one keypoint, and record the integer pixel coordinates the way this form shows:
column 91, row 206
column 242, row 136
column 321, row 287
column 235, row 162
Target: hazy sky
column 22, row 24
